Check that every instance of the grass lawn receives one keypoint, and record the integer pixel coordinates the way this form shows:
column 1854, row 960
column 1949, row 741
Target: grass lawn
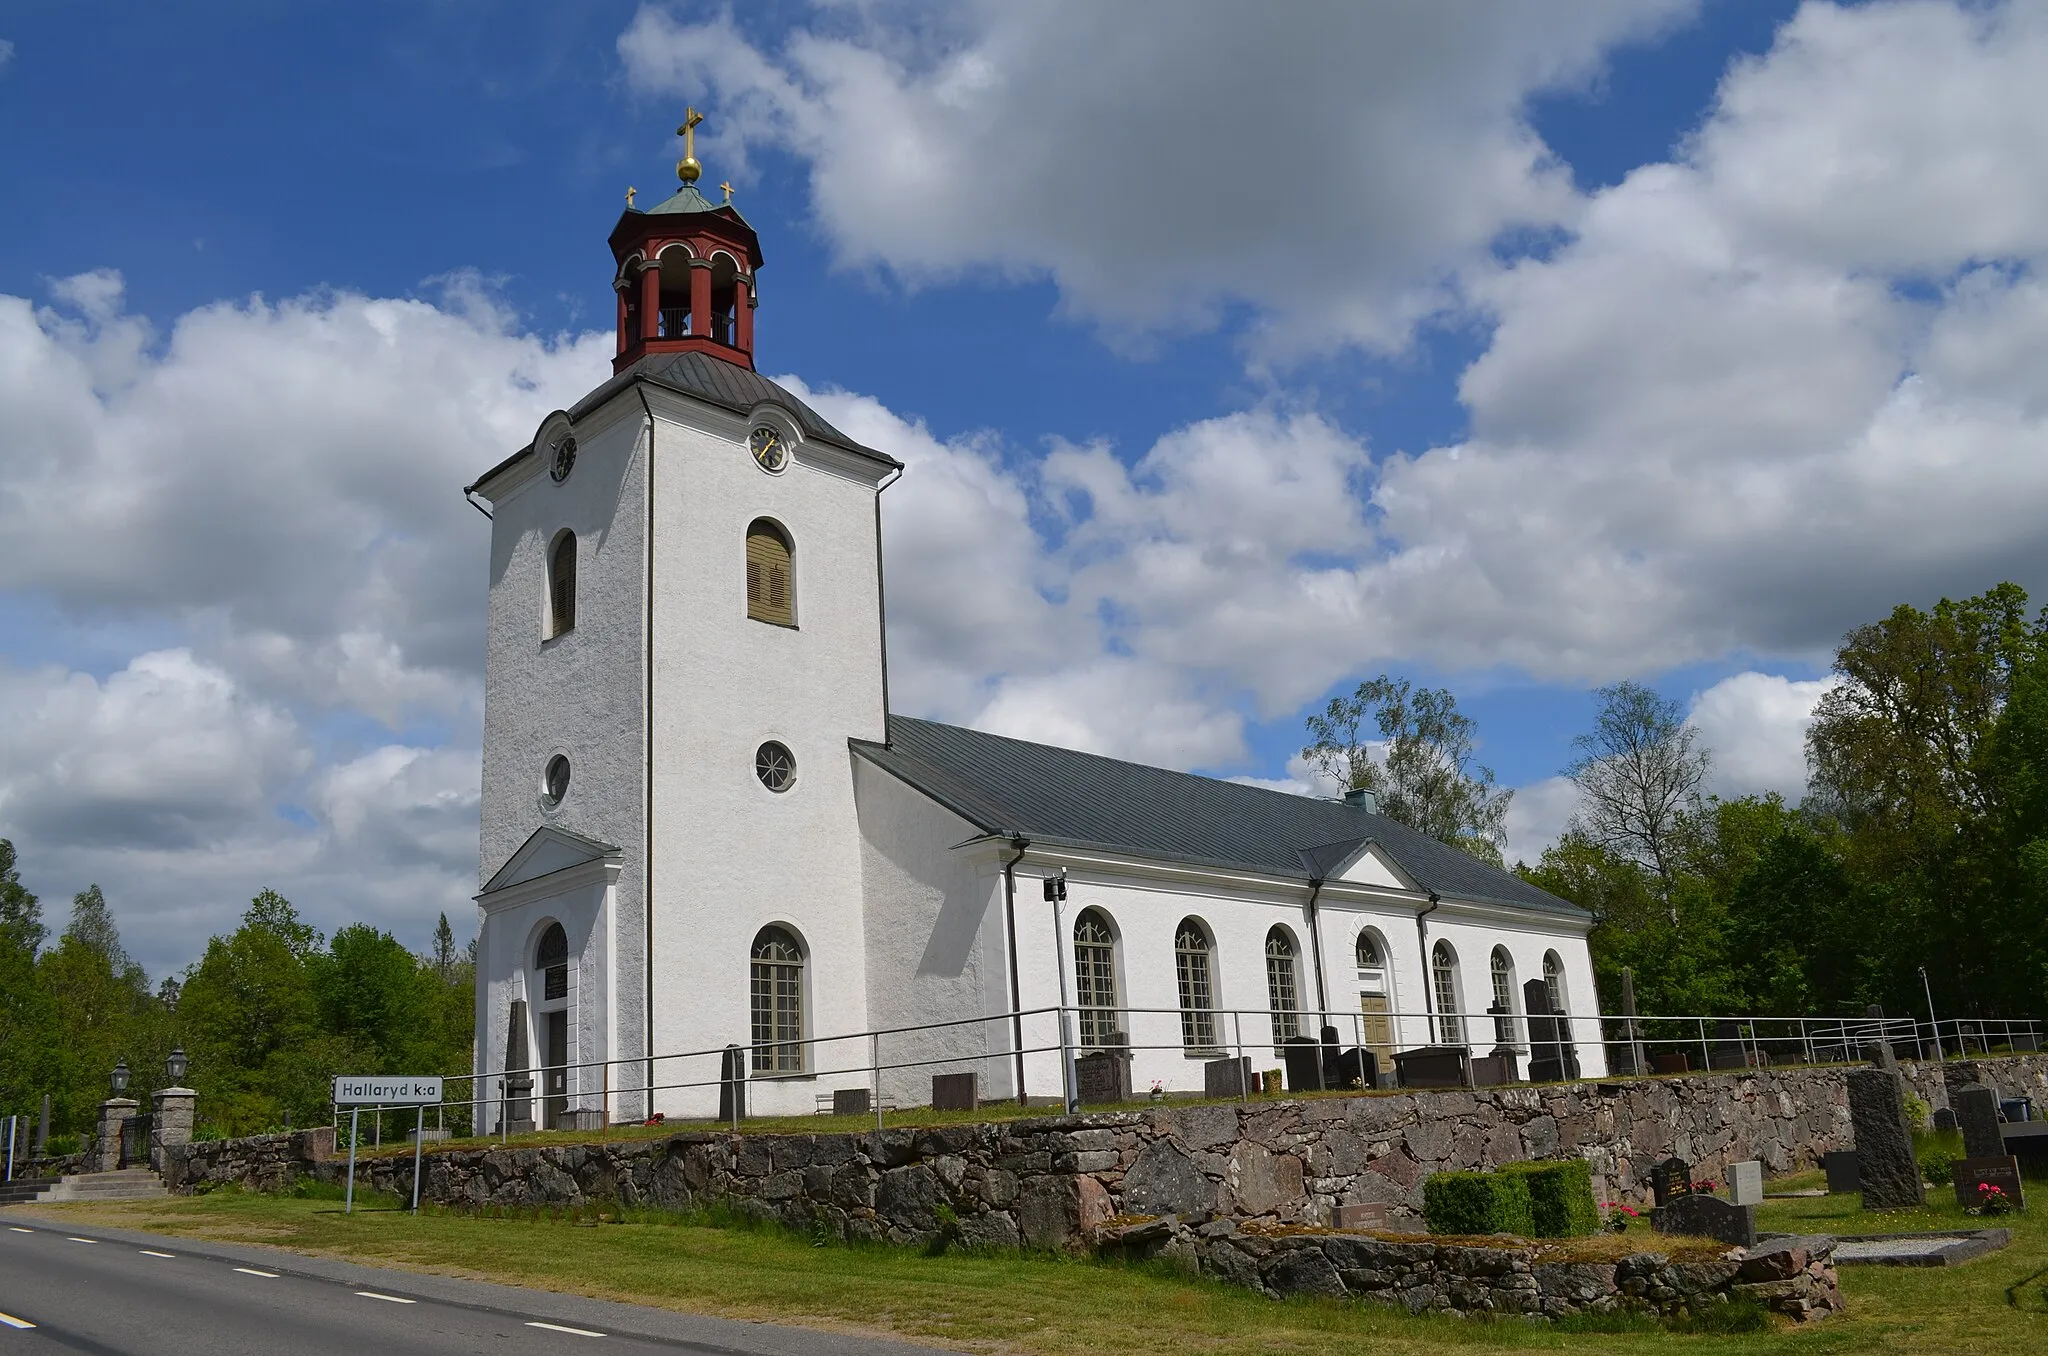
column 1047, row 1305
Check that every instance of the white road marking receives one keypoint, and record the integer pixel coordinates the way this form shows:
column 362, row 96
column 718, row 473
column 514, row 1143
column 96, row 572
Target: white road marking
column 556, row 1327
column 11, row 1321
column 152, row 1252
column 388, row 1299
column 18, row 1229
column 251, row 1271
column 69, row 1239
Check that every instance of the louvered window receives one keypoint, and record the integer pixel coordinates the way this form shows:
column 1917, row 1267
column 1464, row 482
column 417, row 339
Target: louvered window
column 771, row 593
column 562, row 584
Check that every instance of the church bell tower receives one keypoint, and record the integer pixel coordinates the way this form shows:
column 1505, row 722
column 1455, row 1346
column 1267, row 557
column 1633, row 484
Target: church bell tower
column 686, row 268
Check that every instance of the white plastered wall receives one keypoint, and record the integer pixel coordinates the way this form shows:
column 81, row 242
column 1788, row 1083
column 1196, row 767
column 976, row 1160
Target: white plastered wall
column 579, row 694
column 730, row 856
column 582, row 901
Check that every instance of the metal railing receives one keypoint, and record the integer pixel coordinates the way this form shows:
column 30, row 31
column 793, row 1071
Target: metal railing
column 1007, row 1049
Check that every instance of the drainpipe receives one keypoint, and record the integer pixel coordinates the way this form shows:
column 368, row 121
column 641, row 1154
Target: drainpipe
column 647, row 852
column 1422, row 937
column 1016, row 992
column 1315, row 944
column 882, row 609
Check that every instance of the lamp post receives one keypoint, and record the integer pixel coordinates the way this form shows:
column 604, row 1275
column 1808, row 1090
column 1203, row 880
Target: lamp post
column 120, row 1076
column 1932, row 1022
column 175, row 1065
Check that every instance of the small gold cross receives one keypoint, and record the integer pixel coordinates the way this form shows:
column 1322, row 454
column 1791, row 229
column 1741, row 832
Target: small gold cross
column 688, row 131
column 728, row 192
column 629, row 196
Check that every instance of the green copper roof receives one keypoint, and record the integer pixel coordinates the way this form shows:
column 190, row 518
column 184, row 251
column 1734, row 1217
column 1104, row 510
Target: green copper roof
column 686, row 199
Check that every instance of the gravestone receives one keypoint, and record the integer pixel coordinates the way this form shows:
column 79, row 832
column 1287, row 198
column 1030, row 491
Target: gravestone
column 1228, row 1077
column 1361, row 1215
column 1727, row 1051
column 1703, row 1216
column 1434, row 1066
column 851, row 1102
column 1976, row 1108
column 1671, row 1062
column 2003, row 1172
column 1876, row 1048
column 1746, row 1183
column 1885, row 1166
column 1496, row 1070
column 1304, row 1060
column 1669, row 1180
column 1105, row 1075
column 1840, row 1166
column 1944, row 1119
column 1353, row 1068
column 1546, row 1035
column 956, row 1091
column 732, row 1084
column 518, row 1084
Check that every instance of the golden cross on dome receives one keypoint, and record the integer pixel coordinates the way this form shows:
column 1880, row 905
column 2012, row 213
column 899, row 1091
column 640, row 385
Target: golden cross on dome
column 687, row 169
column 728, row 192
column 629, row 195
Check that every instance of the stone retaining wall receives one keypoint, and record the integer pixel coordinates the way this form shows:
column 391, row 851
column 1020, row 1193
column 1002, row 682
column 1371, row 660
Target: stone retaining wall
column 256, row 1162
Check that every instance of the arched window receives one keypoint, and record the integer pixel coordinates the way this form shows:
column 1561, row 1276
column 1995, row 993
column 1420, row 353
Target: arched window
column 778, row 1002
column 1095, row 977
column 1553, row 980
column 771, row 590
column 1503, row 997
column 551, row 958
column 562, row 584
column 1369, row 952
column 1443, row 965
column 1192, row 968
column 1283, row 988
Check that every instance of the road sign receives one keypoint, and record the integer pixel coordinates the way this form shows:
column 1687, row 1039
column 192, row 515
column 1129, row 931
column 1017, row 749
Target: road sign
column 386, row 1090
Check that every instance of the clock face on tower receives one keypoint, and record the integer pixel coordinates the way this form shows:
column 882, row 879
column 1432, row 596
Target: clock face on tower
column 565, row 460
column 766, row 445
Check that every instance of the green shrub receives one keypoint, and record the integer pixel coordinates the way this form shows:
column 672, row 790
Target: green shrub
column 1478, row 1203
column 60, row 1145
column 1560, row 1197
column 1918, row 1116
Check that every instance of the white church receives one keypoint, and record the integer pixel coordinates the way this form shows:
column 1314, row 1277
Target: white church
column 704, row 828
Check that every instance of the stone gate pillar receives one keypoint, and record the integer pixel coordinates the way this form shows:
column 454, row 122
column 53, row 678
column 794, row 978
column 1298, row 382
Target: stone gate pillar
column 115, row 1113
column 171, row 1125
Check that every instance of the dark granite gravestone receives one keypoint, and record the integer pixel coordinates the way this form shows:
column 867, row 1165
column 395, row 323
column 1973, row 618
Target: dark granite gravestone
column 518, row 1112
column 1876, row 1048
column 1353, row 1068
column 1886, row 1169
column 1361, row 1215
column 1102, row 1077
column 732, row 1084
column 1976, row 1108
column 956, row 1091
column 1230, row 1077
column 1840, row 1166
column 1707, row 1217
column 1304, row 1060
column 1434, row 1066
column 1546, row 1036
column 1944, row 1119
column 1727, row 1051
column 2015, row 1110
column 2003, row 1172
column 851, row 1102
column 1669, row 1180
column 1496, row 1070
column 1671, row 1062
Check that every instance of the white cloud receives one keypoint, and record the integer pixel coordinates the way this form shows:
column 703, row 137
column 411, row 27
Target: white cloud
column 1537, row 815
column 1332, row 168
column 1755, row 724
column 6, row 55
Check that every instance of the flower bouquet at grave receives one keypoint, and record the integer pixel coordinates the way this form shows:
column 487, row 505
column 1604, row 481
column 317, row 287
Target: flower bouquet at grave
column 1991, row 1200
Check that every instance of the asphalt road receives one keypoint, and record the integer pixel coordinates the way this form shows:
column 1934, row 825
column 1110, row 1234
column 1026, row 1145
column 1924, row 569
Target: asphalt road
column 109, row 1291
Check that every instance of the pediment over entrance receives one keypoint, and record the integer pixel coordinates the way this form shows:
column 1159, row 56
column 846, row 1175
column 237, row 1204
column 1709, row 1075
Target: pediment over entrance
column 1361, row 861
column 549, row 850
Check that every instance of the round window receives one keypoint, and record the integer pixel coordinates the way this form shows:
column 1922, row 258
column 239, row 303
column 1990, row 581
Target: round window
column 554, row 782
column 775, row 765
column 565, row 460
column 768, row 448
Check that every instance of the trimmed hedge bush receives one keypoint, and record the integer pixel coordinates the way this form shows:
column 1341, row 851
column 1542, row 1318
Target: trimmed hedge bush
column 1478, row 1203
column 1560, row 1197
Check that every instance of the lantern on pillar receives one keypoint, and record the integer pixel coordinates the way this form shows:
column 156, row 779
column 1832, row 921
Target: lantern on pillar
column 120, row 1076
column 175, row 1065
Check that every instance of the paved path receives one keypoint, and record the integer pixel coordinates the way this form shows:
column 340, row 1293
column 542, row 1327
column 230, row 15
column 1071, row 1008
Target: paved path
column 112, row 1291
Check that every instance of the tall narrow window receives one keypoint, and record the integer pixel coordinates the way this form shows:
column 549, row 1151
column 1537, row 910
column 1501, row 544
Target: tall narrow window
column 551, row 958
column 1444, row 966
column 1192, row 968
column 1503, row 997
column 562, row 584
column 1375, row 998
column 1553, row 980
column 1283, row 990
column 1095, row 977
column 771, row 592
column 778, row 1003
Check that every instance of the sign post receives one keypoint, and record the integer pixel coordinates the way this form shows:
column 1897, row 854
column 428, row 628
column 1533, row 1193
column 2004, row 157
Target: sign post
column 378, row 1091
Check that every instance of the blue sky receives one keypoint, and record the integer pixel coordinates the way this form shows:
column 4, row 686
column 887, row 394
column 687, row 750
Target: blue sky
column 472, row 157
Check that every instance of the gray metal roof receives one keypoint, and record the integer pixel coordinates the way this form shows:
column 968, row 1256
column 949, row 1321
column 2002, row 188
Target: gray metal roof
column 684, row 199
column 716, row 382
column 1056, row 796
